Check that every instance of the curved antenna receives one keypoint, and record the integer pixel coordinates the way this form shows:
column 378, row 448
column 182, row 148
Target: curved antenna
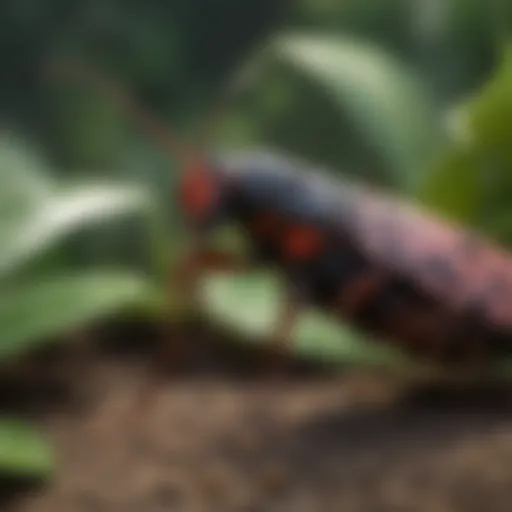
column 77, row 71
column 233, row 86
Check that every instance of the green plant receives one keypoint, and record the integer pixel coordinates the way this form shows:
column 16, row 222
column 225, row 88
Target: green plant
column 43, row 296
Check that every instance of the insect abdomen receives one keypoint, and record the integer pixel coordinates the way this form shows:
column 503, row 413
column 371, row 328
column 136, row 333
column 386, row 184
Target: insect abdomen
column 391, row 307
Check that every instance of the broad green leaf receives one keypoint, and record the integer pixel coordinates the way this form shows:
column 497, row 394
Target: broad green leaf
column 23, row 451
column 33, row 312
column 454, row 187
column 248, row 305
column 384, row 100
column 28, row 237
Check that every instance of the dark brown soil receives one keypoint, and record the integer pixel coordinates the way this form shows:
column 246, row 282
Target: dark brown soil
column 216, row 439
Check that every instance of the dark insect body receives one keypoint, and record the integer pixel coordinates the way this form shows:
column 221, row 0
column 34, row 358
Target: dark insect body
column 387, row 267
column 435, row 289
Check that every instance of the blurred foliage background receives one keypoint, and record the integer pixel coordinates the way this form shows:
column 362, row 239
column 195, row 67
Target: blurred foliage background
column 413, row 95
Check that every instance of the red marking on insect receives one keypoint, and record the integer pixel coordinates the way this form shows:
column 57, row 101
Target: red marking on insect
column 302, row 242
column 359, row 291
column 415, row 327
column 266, row 224
column 198, row 190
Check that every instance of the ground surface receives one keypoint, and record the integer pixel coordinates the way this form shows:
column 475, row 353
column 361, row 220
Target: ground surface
column 214, row 440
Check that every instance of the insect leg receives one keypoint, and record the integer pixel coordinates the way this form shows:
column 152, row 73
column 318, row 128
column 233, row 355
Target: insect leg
column 198, row 259
column 183, row 277
column 279, row 345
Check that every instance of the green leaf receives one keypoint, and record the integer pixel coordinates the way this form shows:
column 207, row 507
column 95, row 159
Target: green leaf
column 248, row 305
column 472, row 182
column 28, row 236
column 454, row 187
column 32, row 313
column 383, row 99
column 23, row 452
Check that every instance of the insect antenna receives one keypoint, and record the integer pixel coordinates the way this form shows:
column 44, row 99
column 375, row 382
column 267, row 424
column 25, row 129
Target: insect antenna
column 177, row 148
column 70, row 69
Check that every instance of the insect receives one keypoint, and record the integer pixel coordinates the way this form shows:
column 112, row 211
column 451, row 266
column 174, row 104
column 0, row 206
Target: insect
column 435, row 289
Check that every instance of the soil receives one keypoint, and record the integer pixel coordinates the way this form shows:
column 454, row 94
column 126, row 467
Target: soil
column 223, row 436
